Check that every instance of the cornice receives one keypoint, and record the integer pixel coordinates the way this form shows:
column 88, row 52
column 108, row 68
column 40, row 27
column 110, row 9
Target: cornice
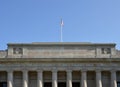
column 61, row 44
column 59, row 60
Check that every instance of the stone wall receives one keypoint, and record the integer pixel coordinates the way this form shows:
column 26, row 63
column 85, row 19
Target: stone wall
column 57, row 52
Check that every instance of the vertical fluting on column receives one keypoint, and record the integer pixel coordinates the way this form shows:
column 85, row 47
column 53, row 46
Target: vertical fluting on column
column 40, row 78
column 69, row 78
column 84, row 78
column 98, row 79
column 54, row 78
column 10, row 79
column 25, row 78
column 113, row 79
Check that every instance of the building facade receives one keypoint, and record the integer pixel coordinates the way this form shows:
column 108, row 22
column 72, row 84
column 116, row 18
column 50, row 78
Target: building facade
column 60, row 65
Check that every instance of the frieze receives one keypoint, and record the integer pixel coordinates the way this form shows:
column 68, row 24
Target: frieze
column 59, row 66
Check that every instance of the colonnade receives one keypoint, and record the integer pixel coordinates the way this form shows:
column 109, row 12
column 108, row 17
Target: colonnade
column 55, row 78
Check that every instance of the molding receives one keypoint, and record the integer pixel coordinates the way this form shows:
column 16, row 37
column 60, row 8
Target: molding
column 62, row 44
column 59, row 60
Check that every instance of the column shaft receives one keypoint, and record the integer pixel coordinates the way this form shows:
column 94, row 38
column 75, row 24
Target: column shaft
column 25, row 78
column 39, row 79
column 98, row 79
column 10, row 79
column 54, row 78
column 84, row 79
column 113, row 79
column 69, row 78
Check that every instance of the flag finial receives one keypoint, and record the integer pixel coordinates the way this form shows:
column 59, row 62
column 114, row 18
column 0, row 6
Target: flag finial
column 62, row 23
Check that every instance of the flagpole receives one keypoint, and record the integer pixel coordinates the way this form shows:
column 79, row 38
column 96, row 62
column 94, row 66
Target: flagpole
column 61, row 37
column 61, row 27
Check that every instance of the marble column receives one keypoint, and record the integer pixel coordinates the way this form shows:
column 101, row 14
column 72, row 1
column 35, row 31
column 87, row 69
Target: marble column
column 39, row 78
column 98, row 79
column 10, row 79
column 113, row 79
column 54, row 78
column 69, row 78
column 25, row 78
column 84, row 78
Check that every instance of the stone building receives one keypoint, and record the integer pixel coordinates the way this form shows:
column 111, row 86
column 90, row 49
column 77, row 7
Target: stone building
column 58, row 64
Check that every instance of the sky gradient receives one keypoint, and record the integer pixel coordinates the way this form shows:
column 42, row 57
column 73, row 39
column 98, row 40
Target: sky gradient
column 26, row 21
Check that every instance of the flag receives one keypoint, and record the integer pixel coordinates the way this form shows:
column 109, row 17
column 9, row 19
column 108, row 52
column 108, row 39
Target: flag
column 62, row 23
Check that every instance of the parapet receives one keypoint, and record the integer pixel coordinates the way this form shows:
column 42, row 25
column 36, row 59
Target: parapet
column 3, row 53
column 62, row 50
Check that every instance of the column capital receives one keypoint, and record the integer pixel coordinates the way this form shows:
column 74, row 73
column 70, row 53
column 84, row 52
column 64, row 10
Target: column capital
column 54, row 71
column 25, row 71
column 9, row 71
column 84, row 70
column 97, row 71
column 41, row 71
column 113, row 71
column 69, row 71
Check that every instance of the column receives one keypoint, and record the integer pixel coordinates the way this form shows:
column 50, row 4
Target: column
column 25, row 78
column 10, row 79
column 98, row 79
column 69, row 78
column 84, row 79
column 54, row 78
column 39, row 78
column 113, row 79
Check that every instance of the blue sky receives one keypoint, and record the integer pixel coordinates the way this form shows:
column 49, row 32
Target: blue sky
column 26, row 21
